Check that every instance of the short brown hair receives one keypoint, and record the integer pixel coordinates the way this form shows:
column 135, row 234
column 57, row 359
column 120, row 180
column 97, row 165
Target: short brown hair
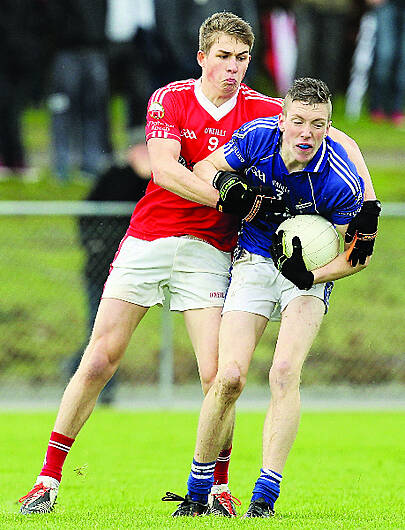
column 309, row 90
column 227, row 23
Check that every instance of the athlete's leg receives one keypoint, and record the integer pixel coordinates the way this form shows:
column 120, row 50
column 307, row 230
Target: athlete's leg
column 203, row 329
column 115, row 322
column 300, row 323
column 239, row 334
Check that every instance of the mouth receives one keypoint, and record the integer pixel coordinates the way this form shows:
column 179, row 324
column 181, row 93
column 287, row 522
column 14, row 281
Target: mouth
column 231, row 81
column 304, row 147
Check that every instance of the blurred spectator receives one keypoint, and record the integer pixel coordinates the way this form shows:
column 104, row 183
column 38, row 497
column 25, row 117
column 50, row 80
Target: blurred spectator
column 279, row 46
column 134, row 58
column 178, row 23
column 321, row 39
column 101, row 235
column 387, row 82
column 79, row 86
column 21, row 57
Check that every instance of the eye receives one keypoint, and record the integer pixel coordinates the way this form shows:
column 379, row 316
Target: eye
column 241, row 59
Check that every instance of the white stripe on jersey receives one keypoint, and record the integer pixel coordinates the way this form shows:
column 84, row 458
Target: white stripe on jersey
column 341, row 163
column 172, row 87
column 256, row 124
column 344, row 172
column 249, row 93
column 318, row 165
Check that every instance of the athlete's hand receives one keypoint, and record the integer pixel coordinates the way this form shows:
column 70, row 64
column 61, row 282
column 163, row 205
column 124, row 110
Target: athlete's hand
column 292, row 268
column 362, row 231
column 247, row 202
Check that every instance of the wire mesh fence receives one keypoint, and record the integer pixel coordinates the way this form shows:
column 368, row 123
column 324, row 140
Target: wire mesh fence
column 55, row 259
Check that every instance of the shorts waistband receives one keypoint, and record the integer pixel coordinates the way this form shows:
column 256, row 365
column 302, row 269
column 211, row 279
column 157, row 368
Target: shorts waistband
column 189, row 236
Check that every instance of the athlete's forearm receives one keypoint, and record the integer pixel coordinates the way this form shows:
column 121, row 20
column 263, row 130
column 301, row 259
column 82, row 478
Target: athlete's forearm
column 336, row 269
column 180, row 180
column 356, row 157
column 205, row 170
column 170, row 174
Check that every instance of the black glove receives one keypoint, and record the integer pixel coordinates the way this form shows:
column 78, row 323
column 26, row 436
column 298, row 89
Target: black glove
column 247, row 202
column 363, row 230
column 292, row 268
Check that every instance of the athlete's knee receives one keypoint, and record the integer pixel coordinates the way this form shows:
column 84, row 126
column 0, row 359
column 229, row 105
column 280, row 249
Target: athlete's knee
column 230, row 382
column 207, row 377
column 98, row 365
column 283, row 376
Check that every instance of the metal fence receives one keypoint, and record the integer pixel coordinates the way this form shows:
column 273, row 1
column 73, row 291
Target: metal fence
column 55, row 259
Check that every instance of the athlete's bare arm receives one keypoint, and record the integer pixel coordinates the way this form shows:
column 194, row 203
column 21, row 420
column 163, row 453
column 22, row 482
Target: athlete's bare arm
column 173, row 176
column 340, row 267
column 356, row 157
column 206, row 169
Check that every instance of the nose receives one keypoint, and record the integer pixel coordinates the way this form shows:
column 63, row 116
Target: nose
column 232, row 65
column 306, row 131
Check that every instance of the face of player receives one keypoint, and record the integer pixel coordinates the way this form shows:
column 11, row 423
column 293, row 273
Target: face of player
column 304, row 126
column 223, row 68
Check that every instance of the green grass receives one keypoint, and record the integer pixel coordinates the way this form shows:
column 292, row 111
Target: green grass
column 346, row 470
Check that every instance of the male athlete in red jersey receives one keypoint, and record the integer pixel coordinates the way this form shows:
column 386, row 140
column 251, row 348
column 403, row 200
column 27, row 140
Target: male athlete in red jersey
column 181, row 112
column 176, row 239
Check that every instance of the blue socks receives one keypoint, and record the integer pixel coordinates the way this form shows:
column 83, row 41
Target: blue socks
column 200, row 481
column 267, row 486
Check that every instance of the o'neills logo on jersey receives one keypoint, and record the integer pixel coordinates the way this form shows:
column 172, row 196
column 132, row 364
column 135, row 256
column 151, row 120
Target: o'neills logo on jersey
column 188, row 134
column 217, row 294
column 216, row 132
column 156, row 111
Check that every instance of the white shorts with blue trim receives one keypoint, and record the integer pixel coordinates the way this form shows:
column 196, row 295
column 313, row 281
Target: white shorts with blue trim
column 258, row 287
column 195, row 273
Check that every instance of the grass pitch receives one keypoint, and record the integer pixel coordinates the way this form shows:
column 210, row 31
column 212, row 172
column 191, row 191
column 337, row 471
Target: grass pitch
column 346, row 470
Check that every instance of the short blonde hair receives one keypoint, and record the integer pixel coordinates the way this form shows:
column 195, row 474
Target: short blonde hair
column 227, row 23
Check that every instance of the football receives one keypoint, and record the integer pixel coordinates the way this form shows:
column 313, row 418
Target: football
column 319, row 239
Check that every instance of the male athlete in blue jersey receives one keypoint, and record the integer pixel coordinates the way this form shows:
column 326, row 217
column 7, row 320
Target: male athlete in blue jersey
column 293, row 159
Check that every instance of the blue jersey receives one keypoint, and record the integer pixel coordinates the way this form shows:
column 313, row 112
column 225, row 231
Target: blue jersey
column 329, row 185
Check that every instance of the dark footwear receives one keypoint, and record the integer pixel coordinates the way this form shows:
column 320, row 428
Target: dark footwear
column 259, row 508
column 188, row 507
column 221, row 502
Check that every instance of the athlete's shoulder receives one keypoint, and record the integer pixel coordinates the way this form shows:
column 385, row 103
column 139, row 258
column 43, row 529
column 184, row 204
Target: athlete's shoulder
column 342, row 169
column 264, row 126
column 173, row 89
column 259, row 101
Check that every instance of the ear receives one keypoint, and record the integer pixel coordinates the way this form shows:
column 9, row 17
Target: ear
column 328, row 128
column 201, row 58
column 281, row 122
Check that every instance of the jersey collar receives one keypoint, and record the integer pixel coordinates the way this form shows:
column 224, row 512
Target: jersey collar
column 216, row 112
column 318, row 162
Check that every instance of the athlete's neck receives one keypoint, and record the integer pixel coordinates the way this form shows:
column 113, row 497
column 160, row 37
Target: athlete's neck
column 216, row 96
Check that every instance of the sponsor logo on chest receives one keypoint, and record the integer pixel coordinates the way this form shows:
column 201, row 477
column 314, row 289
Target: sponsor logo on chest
column 216, row 132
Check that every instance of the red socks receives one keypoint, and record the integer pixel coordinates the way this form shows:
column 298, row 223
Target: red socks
column 58, row 448
column 222, row 467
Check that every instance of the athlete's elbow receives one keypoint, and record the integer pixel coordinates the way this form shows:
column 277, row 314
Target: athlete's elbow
column 160, row 177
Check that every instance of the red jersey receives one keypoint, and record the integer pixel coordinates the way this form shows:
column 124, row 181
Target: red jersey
column 181, row 111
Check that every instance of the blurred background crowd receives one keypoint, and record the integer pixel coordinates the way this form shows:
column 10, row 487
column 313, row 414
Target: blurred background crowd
column 73, row 56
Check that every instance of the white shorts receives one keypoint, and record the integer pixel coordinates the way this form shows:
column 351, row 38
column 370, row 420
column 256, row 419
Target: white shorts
column 258, row 287
column 195, row 273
